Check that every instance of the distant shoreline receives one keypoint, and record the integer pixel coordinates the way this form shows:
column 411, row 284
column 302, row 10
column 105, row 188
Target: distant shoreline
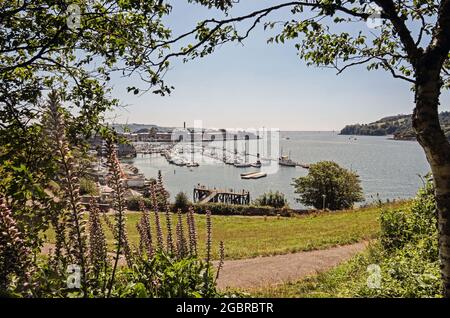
column 389, row 137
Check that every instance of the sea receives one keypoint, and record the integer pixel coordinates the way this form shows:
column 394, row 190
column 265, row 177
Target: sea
column 388, row 169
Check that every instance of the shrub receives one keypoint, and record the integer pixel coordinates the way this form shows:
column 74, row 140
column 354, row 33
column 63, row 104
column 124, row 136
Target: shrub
column 134, row 203
column 418, row 222
column 87, row 186
column 409, row 243
column 331, row 184
column 273, row 199
column 181, row 201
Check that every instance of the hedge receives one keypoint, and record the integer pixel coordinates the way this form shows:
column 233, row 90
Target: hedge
column 249, row 210
column 223, row 209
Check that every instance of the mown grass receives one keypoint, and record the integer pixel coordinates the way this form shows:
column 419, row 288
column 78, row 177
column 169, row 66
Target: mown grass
column 246, row 237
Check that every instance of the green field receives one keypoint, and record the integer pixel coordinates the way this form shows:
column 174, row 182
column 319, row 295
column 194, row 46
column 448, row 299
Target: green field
column 252, row 236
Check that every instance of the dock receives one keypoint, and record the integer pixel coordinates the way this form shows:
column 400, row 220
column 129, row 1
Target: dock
column 253, row 175
column 204, row 195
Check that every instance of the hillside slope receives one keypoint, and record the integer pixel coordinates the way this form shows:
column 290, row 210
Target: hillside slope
column 400, row 126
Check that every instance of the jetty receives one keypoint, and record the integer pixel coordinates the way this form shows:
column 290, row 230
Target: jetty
column 204, row 195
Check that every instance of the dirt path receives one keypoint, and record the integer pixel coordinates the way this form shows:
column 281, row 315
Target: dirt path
column 271, row 270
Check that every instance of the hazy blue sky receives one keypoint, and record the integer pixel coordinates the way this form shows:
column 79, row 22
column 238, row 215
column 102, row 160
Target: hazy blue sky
column 259, row 84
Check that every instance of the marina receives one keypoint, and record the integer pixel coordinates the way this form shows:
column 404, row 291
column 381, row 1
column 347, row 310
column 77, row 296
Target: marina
column 189, row 154
column 388, row 169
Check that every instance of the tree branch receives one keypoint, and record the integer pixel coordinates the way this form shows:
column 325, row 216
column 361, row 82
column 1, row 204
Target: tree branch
column 391, row 13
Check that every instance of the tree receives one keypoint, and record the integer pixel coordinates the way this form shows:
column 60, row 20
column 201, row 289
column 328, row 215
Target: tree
column 274, row 199
column 408, row 39
column 181, row 201
column 73, row 48
column 329, row 186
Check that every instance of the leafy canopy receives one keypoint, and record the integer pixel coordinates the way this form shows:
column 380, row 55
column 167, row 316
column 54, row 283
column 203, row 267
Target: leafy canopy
column 381, row 34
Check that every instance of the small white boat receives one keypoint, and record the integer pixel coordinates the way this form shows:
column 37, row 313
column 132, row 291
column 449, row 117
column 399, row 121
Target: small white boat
column 256, row 164
column 285, row 161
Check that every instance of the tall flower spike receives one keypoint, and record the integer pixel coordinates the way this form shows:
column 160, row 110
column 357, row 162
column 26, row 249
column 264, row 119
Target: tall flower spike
column 208, row 236
column 115, row 182
column 55, row 126
column 221, row 259
column 15, row 255
column 58, row 261
column 97, row 240
column 181, row 241
column 145, row 233
column 192, row 231
column 170, row 246
column 161, row 193
column 159, row 233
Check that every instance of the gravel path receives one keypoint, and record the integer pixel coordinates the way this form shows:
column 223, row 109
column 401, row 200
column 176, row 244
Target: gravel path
column 271, row 270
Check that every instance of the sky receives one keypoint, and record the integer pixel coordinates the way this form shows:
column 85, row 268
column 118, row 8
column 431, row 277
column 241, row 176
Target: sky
column 262, row 85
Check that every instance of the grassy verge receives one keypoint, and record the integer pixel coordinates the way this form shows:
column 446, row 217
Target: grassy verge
column 246, row 237
column 404, row 261
column 345, row 280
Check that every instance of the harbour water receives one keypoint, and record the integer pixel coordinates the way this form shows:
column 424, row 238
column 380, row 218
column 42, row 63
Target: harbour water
column 388, row 169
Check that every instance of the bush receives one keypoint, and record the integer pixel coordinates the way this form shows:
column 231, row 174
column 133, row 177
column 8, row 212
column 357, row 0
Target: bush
column 409, row 243
column 273, row 199
column 181, row 202
column 327, row 181
column 87, row 186
column 400, row 227
column 134, row 203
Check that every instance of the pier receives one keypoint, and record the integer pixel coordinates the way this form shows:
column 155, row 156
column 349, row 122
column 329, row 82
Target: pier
column 204, row 195
column 253, row 175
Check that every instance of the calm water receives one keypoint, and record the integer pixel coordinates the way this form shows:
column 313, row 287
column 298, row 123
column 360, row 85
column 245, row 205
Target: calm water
column 386, row 167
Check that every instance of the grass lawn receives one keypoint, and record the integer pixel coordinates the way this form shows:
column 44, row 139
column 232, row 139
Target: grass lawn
column 246, row 237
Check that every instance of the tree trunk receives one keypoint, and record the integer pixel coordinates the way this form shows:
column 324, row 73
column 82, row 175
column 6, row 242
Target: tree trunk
column 437, row 150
